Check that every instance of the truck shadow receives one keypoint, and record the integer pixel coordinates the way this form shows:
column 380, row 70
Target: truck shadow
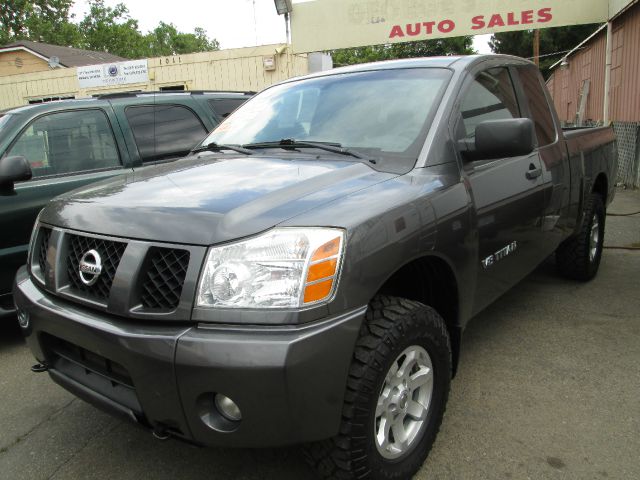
column 10, row 334
column 135, row 454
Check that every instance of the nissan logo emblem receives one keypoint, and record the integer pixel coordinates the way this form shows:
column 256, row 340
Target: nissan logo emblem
column 90, row 267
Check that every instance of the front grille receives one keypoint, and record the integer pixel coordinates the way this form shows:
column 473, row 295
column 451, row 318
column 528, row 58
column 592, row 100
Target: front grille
column 45, row 234
column 110, row 254
column 151, row 286
column 164, row 278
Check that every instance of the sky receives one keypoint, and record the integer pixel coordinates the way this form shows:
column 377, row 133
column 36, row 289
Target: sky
column 231, row 22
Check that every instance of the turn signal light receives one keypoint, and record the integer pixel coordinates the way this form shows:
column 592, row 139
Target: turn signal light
column 322, row 271
column 329, row 249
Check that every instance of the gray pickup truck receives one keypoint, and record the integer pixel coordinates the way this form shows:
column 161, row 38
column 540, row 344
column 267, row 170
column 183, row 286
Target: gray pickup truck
column 305, row 275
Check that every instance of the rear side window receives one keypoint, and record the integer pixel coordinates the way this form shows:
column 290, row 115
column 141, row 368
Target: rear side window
column 491, row 96
column 223, row 107
column 538, row 105
column 164, row 131
column 68, row 142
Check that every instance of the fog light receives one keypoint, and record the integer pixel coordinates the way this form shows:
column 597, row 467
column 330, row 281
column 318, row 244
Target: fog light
column 23, row 318
column 228, row 408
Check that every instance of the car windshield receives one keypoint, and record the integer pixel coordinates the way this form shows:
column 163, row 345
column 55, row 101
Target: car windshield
column 383, row 113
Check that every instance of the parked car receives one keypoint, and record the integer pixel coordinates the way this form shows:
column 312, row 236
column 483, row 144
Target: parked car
column 306, row 275
column 70, row 143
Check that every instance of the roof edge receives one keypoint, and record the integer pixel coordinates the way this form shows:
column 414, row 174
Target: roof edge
column 26, row 49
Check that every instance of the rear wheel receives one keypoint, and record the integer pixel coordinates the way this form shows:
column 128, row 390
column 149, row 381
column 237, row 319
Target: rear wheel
column 396, row 395
column 579, row 256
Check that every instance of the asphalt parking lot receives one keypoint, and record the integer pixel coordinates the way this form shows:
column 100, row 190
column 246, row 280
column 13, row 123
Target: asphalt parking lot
column 548, row 387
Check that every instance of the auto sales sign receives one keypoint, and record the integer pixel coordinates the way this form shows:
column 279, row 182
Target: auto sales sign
column 319, row 25
column 118, row 73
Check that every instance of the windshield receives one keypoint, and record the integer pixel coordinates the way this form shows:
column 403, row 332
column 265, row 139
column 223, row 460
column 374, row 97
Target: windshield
column 385, row 113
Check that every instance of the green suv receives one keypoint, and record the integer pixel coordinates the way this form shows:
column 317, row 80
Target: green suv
column 50, row 148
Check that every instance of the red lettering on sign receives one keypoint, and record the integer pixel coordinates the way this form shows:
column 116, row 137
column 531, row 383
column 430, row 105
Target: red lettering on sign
column 413, row 29
column 496, row 21
column 511, row 19
column 527, row 16
column 477, row 22
column 445, row 26
column 429, row 27
column 396, row 31
column 544, row 15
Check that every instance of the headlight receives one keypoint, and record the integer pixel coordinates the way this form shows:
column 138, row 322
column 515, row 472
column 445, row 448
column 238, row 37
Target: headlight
column 283, row 268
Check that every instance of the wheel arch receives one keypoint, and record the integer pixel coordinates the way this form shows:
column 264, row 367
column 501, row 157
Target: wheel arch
column 430, row 280
column 601, row 186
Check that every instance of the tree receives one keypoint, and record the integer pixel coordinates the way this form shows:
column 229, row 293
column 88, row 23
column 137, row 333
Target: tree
column 554, row 42
column 111, row 30
column 40, row 20
column 103, row 28
column 165, row 39
column 422, row 48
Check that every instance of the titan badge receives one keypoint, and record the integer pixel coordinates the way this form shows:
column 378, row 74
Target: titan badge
column 499, row 255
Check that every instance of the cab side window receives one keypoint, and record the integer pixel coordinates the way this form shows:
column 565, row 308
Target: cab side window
column 164, row 131
column 223, row 107
column 491, row 96
column 68, row 142
column 538, row 105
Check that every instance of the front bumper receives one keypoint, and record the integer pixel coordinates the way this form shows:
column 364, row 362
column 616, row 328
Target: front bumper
column 289, row 381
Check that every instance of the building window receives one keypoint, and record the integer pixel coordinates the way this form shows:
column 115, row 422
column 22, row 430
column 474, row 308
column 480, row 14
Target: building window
column 50, row 99
column 617, row 42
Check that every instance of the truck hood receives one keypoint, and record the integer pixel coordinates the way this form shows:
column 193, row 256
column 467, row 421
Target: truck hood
column 208, row 199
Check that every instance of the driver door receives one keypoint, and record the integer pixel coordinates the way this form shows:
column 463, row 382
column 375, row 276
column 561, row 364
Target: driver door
column 507, row 192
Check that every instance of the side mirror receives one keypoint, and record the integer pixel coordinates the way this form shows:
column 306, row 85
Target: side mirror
column 502, row 139
column 13, row 169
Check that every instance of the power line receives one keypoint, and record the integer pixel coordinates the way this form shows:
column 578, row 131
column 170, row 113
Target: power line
column 557, row 53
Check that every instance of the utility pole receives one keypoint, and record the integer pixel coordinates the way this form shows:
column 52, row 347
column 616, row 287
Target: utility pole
column 255, row 23
column 536, row 47
column 607, row 74
column 286, row 22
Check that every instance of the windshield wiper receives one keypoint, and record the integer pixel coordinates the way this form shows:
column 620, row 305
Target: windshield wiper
column 214, row 147
column 287, row 143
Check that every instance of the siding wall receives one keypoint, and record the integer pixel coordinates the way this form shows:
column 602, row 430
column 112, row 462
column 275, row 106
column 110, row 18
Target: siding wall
column 237, row 69
column 30, row 63
column 565, row 84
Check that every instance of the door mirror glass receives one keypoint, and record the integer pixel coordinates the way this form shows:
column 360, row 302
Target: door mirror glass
column 500, row 139
column 13, row 169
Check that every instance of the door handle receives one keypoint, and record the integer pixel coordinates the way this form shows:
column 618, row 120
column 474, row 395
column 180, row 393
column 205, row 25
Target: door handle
column 533, row 172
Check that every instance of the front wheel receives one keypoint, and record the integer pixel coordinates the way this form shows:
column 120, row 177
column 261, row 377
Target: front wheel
column 579, row 256
column 396, row 395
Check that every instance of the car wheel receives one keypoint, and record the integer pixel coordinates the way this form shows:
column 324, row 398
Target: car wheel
column 579, row 256
column 396, row 395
